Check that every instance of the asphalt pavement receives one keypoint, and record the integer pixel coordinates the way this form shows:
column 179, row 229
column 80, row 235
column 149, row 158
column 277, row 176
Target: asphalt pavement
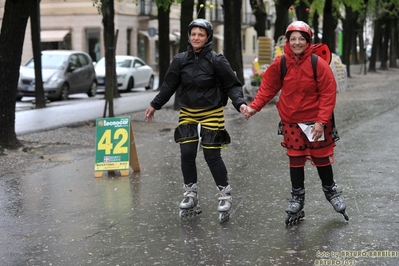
column 64, row 216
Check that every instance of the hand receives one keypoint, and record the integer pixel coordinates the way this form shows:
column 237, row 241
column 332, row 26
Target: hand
column 243, row 109
column 317, row 131
column 149, row 113
column 250, row 112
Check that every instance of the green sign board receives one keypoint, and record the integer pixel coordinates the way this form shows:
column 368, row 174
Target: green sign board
column 112, row 143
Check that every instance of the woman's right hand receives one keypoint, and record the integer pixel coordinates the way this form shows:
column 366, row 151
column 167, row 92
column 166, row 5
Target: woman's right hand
column 250, row 112
column 149, row 113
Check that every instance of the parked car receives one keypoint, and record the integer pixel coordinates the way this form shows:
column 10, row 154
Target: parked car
column 131, row 71
column 64, row 73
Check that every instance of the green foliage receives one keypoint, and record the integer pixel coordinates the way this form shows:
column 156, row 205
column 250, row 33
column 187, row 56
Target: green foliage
column 317, row 6
column 164, row 3
column 356, row 5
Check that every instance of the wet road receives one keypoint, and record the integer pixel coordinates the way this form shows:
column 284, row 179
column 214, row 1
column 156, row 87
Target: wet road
column 65, row 216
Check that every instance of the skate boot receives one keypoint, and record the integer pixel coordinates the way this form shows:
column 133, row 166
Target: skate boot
column 189, row 206
column 225, row 202
column 295, row 208
column 335, row 198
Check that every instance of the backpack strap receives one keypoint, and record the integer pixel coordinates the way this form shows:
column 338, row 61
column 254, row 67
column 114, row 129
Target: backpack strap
column 283, row 66
column 315, row 57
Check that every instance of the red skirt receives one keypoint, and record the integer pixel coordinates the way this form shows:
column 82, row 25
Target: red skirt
column 297, row 144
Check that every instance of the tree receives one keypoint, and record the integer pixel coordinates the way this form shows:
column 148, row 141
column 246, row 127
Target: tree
column 232, row 36
column 12, row 36
column 302, row 10
column 259, row 11
column 385, row 15
column 330, row 22
column 374, row 49
column 163, row 38
column 393, row 54
column 282, row 18
column 348, row 32
column 37, row 56
column 200, row 9
column 186, row 13
column 106, row 8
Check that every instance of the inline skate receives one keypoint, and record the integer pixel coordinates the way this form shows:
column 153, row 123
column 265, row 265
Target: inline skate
column 189, row 206
column 334, row 197
column 295, row 208
column 225, row 202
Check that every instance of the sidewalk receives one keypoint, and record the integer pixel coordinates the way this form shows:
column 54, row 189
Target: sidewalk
column 63, row 115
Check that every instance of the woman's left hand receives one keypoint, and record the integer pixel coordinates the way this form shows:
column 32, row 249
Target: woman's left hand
column 149, row 113
column 317, row 131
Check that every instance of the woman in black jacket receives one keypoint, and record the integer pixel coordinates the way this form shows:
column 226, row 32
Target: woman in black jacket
column 206, row 81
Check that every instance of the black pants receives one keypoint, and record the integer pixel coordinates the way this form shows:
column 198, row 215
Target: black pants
column 298, row 176
column 213, row 158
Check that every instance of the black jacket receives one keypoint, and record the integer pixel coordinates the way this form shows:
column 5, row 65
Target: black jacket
column 205, row 84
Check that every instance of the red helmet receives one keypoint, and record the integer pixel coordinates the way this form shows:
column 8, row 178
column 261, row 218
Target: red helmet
column 299, row 26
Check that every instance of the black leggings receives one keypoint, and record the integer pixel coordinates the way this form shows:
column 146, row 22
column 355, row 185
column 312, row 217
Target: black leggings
column 188, row 153
column 297, row 175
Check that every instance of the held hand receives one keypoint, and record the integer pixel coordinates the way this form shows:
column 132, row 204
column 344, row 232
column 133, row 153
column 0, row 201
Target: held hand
column 149, row 113
column 243, row 109
column 250, row 112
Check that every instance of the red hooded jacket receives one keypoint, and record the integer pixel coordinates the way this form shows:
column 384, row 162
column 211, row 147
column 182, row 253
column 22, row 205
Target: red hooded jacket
column 302, row 99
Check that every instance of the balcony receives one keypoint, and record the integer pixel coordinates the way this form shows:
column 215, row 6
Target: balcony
column 148, row 8
column 217, row 17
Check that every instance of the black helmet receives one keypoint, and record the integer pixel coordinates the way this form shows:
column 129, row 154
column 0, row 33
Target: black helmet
column 202, row 23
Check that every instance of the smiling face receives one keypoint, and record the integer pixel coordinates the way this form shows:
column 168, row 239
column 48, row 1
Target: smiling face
column 297, row 42
column 198, row 37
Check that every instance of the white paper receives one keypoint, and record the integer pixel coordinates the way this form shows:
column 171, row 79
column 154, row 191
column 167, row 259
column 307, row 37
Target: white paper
column 199, row 136
column 306, row 129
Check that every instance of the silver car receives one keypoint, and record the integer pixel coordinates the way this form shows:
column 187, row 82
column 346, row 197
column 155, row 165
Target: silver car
column 64, row 72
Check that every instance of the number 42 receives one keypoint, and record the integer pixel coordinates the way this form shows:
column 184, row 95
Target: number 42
column 106, row 144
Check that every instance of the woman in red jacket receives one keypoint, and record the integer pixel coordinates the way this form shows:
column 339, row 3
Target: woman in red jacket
column 306, row 104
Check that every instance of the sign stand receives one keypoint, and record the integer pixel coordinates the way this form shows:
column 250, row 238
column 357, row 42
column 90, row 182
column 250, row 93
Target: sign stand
column 133, row 159
column 115, row 146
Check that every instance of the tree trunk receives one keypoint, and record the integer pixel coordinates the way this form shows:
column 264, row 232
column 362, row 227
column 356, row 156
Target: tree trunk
column 393, row 55
column 116, row 90
column 315, row 23
column 375, row 47
column 360, row 34
column 37, row 53
column 348, row 31
column 108, row 12
column 282, row 18
column 200, row 11
column 302, row 10
column 12, row 37
column 232, row 36
column 386, row 33
column 329, row 25
column 163, row 41
column 259, row 10
column 187, row 7
column 186, row 11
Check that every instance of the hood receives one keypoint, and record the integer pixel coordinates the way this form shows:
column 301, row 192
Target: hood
column 29, row 73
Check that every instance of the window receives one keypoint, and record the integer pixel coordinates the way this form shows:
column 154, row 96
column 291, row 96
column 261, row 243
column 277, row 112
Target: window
column 84, row 61
column 138, row 63
column 93, row 44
